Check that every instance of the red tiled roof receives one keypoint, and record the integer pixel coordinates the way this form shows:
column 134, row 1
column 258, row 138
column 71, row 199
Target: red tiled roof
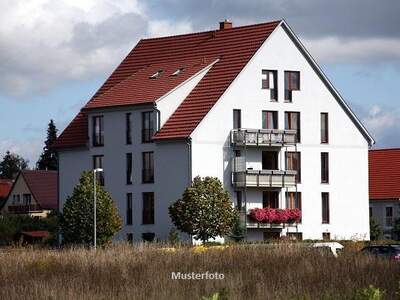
column 234, row 47
column 384, row 174
column 76, row 133
column 36, row 233
column 5, row 188
column 43, row 186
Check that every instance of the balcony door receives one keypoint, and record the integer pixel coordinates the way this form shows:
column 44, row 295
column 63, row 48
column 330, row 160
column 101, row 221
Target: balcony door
column 270, row 160
column 271, row 199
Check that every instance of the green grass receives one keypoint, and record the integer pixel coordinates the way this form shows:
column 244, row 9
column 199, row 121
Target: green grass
column 285, row 271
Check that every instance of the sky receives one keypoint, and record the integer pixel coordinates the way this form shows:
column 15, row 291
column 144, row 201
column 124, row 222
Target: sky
column 55, row 54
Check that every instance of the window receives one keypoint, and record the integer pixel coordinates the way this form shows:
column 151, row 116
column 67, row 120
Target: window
column 26, row 198
column 129, row 237
column 237, row 153
column 16, row 199
column 326, row 236
column 295, row 236
column 147, row 127
column 129, row 168
column 239, row 201
column 389, row 216
column 98, row 164
column 271, row 235
column 128, row 128
column 324, row 167
column 324, row 128
column 270, row 199
column 270, row 160
column 98, row 131
column 293, row 200
column 370, row 212
column 148, row 208
column 148, row 167
column 293, row 162
column 325, row 208
column 292, row 83
column 129, row 209
column 292, row 122
column 237, row 119
column 177, row 72
column 270, row 82
column 269, row 119
column 156, row 74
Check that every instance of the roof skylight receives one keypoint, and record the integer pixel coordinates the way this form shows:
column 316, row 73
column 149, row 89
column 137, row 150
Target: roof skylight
column 156, row 75
column 177, row 72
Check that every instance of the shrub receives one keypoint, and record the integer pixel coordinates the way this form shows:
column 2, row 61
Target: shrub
column 396, row 229
column 77, row 218
column 375, row 230
column 369, row 293
column 238, row 230
column 205, row 210
column 173, row 236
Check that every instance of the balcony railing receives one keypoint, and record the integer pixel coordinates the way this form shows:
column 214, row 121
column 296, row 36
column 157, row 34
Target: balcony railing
column 264, row 178
column 263, row 137
column 23, row 209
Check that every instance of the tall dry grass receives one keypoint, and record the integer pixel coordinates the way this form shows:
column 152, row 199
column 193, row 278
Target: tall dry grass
column 144, row 272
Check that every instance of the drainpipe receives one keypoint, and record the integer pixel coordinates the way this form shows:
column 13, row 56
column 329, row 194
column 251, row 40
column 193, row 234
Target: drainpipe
column 158, row 116
column 189, row 144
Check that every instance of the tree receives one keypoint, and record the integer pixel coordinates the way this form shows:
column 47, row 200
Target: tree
column 396, row 229
column 48, row 158
column 238, row 230
column 77, row 217
column 205, row 210
column 11, row 165
column 375, row 230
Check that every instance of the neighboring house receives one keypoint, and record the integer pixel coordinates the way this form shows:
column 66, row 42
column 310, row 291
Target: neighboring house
column 248, row 105
column 384, row 188
column 5, row 188
column 33, row 193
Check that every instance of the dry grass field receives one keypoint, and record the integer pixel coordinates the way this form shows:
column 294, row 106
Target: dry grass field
column 144, row 272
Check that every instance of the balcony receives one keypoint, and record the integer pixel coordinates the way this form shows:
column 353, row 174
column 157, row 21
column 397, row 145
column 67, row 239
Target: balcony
column 263, row 137
column 23, row 209
column 264, row 178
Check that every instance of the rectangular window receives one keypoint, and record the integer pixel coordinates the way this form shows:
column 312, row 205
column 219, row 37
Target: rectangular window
column 370, row 212
column 237, row 119
column 325, row 208
column 295, row 236
column 129, row 209
column 293, row 200
column 148, row 208
column 293, row 162
column 239, row 200
column 389, row 216
column 324, row 167
column 269, row 119
column 26, row 198
column 128, row 124
column 98, row 131
column 147, row 127
column 98, row 164
column 269, row 160
column 270, row 199
column 292, row 83
column 326, row 236
column 324, row 128
column 16, row 199
column 270, row 82
column 129, row 168
column 148, row 167
column 292, row 122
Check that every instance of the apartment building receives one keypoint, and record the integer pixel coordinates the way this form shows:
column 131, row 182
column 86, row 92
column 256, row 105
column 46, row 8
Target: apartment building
column 246, row 104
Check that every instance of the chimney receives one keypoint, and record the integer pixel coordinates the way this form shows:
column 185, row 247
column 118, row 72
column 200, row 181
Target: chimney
column 225, row 24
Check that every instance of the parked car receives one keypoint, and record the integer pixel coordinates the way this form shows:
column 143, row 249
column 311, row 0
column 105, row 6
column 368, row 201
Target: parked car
column 332, row 247
column 384, row 251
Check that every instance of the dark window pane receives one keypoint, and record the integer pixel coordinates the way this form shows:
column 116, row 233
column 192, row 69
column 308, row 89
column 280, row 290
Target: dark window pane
column 271, row 199
column 128, row 129
column 293, row 200
column 129, row 168
column 293, row 162
column 237, row 119
column 148, row 167
column 325, row 208
column 148, row 208
column 129, row 209
column 270, row 160
column 265, row 79
column 292, row 121
column 147, row 127
column 324, row 167
column 324, row 128
column 98, row 131
column 270, row 120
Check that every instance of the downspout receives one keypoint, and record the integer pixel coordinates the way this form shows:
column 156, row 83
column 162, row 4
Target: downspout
column 189, row 144
column 158, row 114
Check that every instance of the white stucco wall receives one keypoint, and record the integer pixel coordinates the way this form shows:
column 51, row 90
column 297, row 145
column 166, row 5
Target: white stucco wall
column 348, row 149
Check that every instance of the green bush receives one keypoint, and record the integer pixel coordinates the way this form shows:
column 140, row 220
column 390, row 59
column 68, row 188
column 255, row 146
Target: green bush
column 369, row 293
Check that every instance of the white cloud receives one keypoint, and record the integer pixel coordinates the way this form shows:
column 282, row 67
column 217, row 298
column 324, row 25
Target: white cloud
column 354, row 50
column 29, row 149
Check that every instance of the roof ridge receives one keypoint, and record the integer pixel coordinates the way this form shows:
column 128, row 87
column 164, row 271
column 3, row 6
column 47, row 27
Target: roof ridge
column 211, row 31
column 385, row 149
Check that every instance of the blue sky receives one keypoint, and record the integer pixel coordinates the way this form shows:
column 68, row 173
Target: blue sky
column 55, row 54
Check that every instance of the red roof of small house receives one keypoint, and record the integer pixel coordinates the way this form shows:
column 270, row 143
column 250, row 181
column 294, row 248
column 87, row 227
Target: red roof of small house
column 43, row 186
column 36, row 233
column 5, row 187
column 234, row 47
column 384, row 174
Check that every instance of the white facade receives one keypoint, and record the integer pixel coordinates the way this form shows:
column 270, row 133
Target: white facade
column 209, row 151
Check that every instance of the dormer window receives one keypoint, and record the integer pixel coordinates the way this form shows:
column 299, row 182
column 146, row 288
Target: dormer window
column 156, row 75
column 177, row 72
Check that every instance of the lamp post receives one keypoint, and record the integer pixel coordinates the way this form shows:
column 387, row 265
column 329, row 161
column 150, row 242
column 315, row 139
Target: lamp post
column 94, row 206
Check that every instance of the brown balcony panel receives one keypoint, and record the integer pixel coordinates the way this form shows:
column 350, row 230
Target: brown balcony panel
column 264, row 178
column 263, row 137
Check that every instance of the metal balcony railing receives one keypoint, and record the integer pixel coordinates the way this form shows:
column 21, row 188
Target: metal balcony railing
column 264, row 178
column 263, row 137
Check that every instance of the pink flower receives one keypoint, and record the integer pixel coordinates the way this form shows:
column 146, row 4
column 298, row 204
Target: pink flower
column 276, row 215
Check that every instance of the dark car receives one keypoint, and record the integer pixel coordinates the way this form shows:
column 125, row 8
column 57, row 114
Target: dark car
column 384, row 251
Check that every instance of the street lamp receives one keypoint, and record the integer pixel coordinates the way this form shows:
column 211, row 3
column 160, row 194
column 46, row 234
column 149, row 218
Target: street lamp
column 94, row 205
